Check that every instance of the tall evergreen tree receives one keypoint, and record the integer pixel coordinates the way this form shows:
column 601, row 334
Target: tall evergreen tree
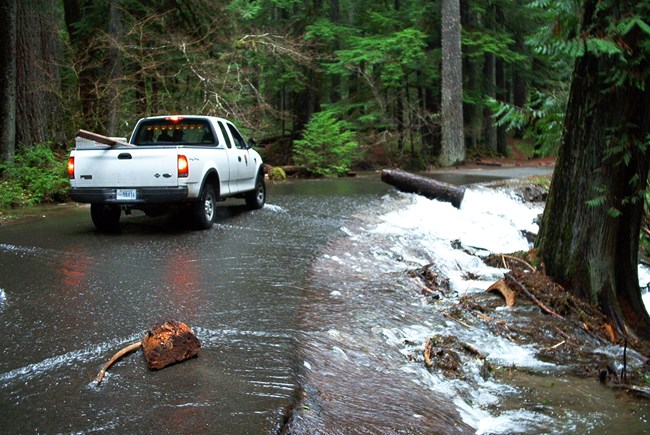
column 38, row 76
column 453, row 140
column 8, row 10
column 589, row 236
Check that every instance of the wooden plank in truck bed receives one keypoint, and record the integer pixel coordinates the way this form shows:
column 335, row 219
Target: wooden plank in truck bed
column 101, row 139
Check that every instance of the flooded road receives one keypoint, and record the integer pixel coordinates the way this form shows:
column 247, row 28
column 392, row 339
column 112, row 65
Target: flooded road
column 71, row 297
column 303, row 310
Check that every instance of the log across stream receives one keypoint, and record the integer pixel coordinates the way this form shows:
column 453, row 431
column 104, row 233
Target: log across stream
column 428, row 187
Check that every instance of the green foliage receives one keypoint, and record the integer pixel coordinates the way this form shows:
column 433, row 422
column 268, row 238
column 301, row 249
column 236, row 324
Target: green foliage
column 328, row 147
column 478, row 43
column 542, row 120
column 38, row 174
column 394, row 56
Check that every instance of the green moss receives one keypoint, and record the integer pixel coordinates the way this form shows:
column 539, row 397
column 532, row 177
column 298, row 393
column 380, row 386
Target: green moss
column 277, row 174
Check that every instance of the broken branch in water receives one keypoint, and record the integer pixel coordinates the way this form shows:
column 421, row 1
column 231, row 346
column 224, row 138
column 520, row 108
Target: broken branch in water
column 555, row 346
column 524, row 262
column 128, row 349
column 511, row 280
column 425, row 290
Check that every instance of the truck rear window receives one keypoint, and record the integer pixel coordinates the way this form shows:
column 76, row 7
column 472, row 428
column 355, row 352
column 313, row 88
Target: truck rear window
column 174, row 131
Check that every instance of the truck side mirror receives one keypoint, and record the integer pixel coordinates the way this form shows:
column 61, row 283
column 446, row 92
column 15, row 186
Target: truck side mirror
column 251, row 142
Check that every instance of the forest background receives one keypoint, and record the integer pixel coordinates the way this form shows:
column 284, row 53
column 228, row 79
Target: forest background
column 327, row 84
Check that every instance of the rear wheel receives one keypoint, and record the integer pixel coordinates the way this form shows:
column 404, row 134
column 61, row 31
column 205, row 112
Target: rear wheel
column 204, row 210
column 256, row 198
column 105, row 217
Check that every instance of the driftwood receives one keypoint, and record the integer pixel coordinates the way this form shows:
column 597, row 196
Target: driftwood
column 165, row 344
column 432, row 189
column 118, row 355
column 169, row 343
column 101, row 139
column 502, row 288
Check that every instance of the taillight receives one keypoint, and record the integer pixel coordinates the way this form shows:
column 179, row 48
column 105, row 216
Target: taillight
column 183, row 167
column 71, row 167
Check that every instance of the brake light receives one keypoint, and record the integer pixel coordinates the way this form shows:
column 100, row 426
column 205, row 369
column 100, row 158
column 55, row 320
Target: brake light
column 174, row 118
column 183, row 167
column 71, row 167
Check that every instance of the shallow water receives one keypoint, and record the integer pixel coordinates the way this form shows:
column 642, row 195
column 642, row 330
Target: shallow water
column 304, row 313
column 70, row 298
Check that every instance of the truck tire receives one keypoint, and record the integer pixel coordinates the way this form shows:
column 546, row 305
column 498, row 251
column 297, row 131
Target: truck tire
column 256, row 198
column 205, row 210
column 105, row 217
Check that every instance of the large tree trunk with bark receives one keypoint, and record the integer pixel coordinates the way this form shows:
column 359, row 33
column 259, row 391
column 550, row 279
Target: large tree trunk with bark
column 453, row 140
column 8, row 10
column 115, row 66
column 587, row 247
column 38, row 84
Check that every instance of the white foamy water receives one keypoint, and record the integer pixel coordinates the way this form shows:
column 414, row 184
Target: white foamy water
column 414, row 231
column 275, row 208
column 488, row 221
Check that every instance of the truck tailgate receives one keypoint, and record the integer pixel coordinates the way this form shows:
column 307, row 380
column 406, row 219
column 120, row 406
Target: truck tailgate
column 126, row 167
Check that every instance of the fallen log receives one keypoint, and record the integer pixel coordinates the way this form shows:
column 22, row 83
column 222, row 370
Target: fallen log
column 293, row 170
column 428, row 187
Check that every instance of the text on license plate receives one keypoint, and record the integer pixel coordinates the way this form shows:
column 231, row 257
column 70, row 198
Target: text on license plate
column 125, row 194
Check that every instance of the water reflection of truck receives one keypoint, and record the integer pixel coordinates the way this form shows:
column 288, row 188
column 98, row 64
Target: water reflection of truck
column 185, row 163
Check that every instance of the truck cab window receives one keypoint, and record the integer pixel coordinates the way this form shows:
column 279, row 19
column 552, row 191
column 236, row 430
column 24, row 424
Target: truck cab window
column 175, row 131
column 239, row 140
column 225, row 134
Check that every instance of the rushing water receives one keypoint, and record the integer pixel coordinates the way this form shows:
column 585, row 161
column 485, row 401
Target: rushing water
column 364, row 324
column 305, row 314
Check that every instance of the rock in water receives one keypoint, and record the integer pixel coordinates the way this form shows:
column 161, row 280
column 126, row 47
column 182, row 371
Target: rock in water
column 168, row 343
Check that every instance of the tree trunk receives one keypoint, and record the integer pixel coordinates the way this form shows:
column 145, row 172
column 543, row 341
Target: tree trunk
column 8, row 11
column 88, row 66
column 453, row 141
column 489, row 77
column 114, row 66
column 584, row 246
column 472, row 111
column 432, row 189
column 38, row 83
column 399, row 116
column 501, row 95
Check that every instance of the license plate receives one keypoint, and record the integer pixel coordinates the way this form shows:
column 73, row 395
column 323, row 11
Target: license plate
column 126, row 194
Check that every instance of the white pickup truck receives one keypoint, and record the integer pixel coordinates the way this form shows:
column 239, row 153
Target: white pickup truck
column 185, row 163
